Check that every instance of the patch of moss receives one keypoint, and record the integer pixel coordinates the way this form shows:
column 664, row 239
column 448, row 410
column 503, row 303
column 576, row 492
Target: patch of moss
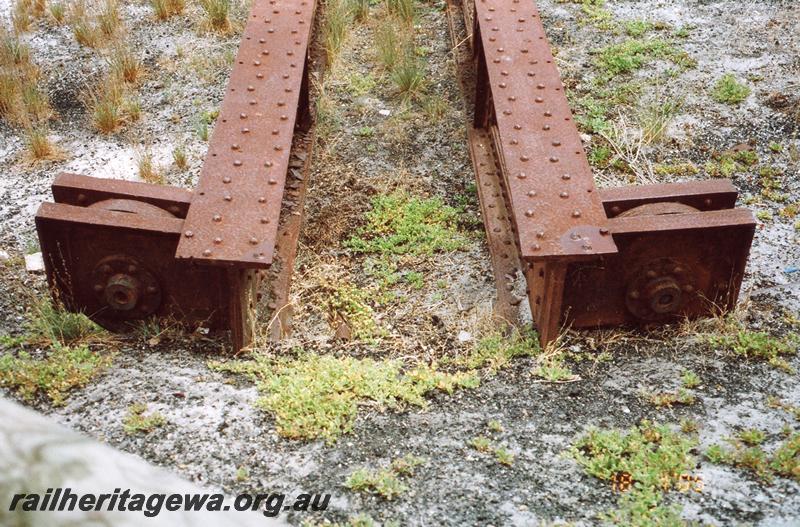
column 351, row 304
column 676, row 169
column 403, row 224
column 496, row 350
column 317, row 396
column 384, row 483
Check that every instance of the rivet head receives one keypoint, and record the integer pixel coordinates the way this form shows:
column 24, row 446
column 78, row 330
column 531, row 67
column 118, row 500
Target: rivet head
column 564, row 195
column 531, row 193
column 273, row 181
column 546, row 127
column 267, row 163
column 536, row 247
column 553, row 159
column 651, row 274
column 540, row 234
column 217, row 218
column 242, row 116
column 188, row 234
column 566, row 177
column 237, row 162
column 576, row 214
column 634, row 294
column 262, row 199
column 556, row 143
column 540, row 86
column 207, row 252
column 539, row 99
column 603, row 231
column 228, row 197
column 245, row 130
column 522, row 175
column 250, row 88
column 524, row 158
column 226, row 179
column 548, row 114
column 264, row 220
column 529, row 213
column 253, row 241
column 217, row 240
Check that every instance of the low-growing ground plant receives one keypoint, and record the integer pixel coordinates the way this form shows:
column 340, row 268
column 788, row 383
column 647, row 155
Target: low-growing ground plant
column 758, row 345
column 403, row 224
column 52, row 373
column 747, row 453
column 137, row 421
column 644, row 462
column 317, row 396
column 384, row 483
column 728, row 90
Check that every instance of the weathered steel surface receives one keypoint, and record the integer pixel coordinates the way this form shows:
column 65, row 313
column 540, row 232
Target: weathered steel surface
column 713, row 194
column 83, row 191
column 234, row 215
column 119, row 267
column 556, row 208
column 668, row 267
column 628, row 255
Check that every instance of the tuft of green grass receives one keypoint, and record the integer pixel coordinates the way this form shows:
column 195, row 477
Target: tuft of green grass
column 125, row 65
column 38, row 143
column 137, row 421
column 403, row 224
column 50, row 324
column 408, row 76
column 54, row 373
column 652, row 456
column 752, row 436
column 728, row 90
column 58, row 12
column 387, row 44
column 402, row 9
column 338, row 17
column 407, row 465
column 317, row 396
column 494, row 426
column 108, row 19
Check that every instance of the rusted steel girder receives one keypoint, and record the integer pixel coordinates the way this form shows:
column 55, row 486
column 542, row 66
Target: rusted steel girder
column 122, row 251
column 629, row 255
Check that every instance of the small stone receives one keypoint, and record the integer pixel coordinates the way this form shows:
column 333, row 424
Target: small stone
column 34, row 263
column 385, row 113
column 464, row 336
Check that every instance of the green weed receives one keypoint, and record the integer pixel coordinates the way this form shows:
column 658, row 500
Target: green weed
column 402, row 224
column 728, row 90
column 137, row 421
column 317, row 396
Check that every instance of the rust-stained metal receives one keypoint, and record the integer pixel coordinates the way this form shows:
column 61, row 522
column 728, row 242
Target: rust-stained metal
column 629, row 255
column 122, row 251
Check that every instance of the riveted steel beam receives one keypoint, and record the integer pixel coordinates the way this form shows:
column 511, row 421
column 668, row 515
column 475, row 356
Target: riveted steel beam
column 629, row 255
column 122, row 251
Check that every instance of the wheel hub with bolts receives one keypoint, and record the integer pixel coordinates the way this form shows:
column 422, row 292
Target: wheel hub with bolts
column 659, row 289
column 129, row 290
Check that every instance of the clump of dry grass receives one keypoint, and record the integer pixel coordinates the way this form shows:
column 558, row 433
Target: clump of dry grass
column 58, row 12
column 85, row 31
column 110, row 106
column 180, row 158
column 164, row 9
column 125, row 64
column 217, row 15
column 338, row 17
column 21, row 100
column 396, row 51
column 39, row 145
column 108, row 19
column 149, row 172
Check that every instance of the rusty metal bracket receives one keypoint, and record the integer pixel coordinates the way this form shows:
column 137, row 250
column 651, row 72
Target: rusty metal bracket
column 122, row 251
column 629, row 255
